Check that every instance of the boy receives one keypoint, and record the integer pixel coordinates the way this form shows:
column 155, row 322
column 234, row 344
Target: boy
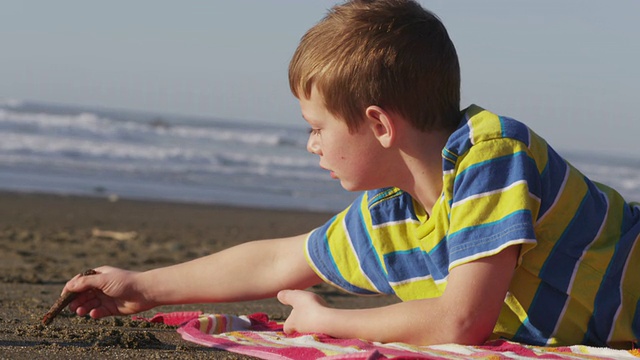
column 470, row 218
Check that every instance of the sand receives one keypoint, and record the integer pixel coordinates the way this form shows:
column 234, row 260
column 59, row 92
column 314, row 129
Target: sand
column 47, row 239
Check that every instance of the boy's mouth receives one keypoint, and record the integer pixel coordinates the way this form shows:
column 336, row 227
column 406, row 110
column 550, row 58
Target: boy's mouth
column 331, row 172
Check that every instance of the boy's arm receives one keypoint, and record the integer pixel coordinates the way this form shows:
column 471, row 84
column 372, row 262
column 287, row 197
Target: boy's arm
column 248, row 271
column 465, row 314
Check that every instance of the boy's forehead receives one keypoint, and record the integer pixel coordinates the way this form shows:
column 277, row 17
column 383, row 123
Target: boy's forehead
column 306, row 113
column 312, row 107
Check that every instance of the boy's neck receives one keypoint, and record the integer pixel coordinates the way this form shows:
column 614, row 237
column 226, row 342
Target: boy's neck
column 421, row 154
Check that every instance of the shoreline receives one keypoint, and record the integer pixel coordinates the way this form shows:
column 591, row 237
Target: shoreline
column 46, row 239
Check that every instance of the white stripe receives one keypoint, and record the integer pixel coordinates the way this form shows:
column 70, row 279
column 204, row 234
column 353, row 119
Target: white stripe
column 353, row 249
column 491, row 252
column 316, row 269
column 273, row 340
column 406, row 281
column 624, row 273
column 391, row 223
column 442, row 281
column 488, row 193
column 470, row 131
column 575, row 273
column 555, row 201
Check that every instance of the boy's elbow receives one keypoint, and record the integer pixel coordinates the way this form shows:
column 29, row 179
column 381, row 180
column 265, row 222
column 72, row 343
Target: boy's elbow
column 457, row 330
column 470, row 335
column 467, row 330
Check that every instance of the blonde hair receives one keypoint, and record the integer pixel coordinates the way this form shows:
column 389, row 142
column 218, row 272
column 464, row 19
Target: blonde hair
column 390, row 53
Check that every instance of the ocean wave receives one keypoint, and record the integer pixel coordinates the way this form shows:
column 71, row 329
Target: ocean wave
column 10, row 102
column 90, row 125
column 92, row 149
column 59, row 148
column 176, row 172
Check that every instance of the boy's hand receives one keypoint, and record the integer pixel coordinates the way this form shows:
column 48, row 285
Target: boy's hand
column 110, row 292
column 466, row 313
column 307, row 313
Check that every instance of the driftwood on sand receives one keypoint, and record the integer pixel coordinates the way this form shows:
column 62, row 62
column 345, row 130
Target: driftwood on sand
column 62, row 302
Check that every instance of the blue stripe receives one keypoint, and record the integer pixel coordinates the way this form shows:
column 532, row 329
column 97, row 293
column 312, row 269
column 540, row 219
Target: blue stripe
column 552, row 179
column 529, row 335
column 608, row 298
column 635, row 325
column 486, row 237
column 496, row 174
column 378, row 195
column 556, row 272
column 513, row 129
column 539, row 325
column 502, row 130
column 396, row 208
column 561, row 262
column 365, row 251
column 449, row 160
column 437, row 260
column 489, row 236
column 459, row 141
column 405, row 265
column 318, row 247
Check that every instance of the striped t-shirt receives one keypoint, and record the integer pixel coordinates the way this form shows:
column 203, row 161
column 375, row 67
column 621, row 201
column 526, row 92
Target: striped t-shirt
column 578, row 275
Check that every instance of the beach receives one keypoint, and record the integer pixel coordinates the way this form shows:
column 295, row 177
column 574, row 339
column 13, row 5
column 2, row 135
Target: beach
column 47, row 239
column 141, row 190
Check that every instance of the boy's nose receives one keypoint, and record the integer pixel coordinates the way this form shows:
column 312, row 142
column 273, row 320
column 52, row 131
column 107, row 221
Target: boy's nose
column 313, row 146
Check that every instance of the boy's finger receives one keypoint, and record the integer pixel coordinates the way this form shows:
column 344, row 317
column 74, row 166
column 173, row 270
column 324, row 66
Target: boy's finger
column 297, row 297
column 283, row 297
column 83, row 283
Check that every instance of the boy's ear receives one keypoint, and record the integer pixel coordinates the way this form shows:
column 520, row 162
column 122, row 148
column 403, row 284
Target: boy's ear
column 382, row 124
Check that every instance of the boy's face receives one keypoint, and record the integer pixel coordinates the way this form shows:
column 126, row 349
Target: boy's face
column 350, row 157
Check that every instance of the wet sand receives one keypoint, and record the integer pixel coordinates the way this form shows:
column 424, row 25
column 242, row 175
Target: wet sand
column 47, row 239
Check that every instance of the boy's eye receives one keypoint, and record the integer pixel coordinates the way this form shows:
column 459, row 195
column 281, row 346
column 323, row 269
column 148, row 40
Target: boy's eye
column 314, row 131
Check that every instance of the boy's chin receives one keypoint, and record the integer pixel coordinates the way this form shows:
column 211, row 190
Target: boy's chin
column 352, row 187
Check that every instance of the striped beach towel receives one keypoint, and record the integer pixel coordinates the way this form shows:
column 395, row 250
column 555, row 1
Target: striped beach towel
column 257, row 335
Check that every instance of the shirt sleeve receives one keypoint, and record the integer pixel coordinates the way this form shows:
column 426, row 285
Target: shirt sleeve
column 351, row 250
column 330, row 252
column 494, row 200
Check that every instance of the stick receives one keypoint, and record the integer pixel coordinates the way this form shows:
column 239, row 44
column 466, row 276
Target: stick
column 63, row 301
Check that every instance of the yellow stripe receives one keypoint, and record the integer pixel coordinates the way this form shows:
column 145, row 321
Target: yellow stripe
column 571, row 198
column 344, row 256
column 512, row 316
column 468, row 213
column 622, row 328
column 313, row 265
column 539, row 151
column 385, row 238
column 485, row 125
column 489, row 150
column 418, row 289
column 587, row 280
column 434, row 230
column 204, row 324
column 524, row 286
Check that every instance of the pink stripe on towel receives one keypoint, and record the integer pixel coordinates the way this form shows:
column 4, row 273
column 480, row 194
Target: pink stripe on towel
column 172, row 318
column 256, row 335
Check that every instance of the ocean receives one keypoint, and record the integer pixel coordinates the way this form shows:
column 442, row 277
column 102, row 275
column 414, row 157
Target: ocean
column 91, row 151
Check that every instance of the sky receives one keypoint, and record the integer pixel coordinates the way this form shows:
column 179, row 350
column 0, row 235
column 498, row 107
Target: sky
column 567, row 68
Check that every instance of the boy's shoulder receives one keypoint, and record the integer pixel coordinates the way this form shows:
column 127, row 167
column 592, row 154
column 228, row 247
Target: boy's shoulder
column 479, row 125
column 390, row 204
